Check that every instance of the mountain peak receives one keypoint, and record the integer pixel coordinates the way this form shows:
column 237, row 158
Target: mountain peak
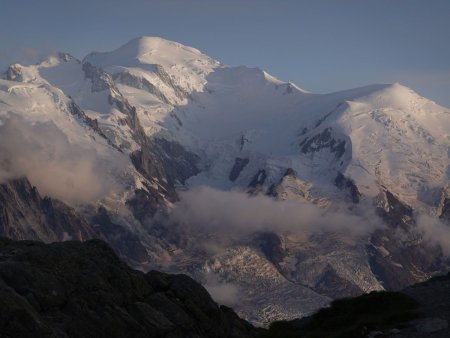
column 57, row 58
column 149, row 50
column 396, row 95
column 147, row 44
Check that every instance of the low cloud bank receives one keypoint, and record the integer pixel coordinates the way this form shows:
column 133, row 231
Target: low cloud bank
column 232, row 214
column 435, row 231
column 42, row 153
column 224, row 293
column 237, row 212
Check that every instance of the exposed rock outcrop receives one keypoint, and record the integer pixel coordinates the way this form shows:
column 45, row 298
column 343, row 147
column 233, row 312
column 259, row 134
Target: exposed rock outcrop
column 238, row 166
column 324, row 139
column 348, row 185
column 25, row 214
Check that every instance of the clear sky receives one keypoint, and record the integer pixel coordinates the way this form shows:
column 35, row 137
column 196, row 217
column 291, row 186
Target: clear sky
column 320, row 45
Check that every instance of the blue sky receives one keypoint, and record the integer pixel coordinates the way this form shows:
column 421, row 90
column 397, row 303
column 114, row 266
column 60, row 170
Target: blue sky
column 320, row 45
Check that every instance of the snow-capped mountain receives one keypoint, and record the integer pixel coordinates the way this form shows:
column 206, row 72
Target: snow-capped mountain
column 276, row 198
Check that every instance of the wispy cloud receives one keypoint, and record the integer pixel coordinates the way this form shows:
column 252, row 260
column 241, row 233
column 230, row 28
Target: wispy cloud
column 435, row 231
column 59, row 168
column 222, row 292
column 24, row 56
column 237, row 212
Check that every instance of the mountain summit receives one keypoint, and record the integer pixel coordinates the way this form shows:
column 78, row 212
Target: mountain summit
column 147, row 50
column 186, row 66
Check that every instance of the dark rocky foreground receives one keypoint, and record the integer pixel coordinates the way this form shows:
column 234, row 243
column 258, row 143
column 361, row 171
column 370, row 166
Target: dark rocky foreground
column 420, row 311
column 82, row 289
column 74, row 289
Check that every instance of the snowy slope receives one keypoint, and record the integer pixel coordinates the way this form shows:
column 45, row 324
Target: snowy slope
column 398, row 139
column 390, row 132
column 242, row 112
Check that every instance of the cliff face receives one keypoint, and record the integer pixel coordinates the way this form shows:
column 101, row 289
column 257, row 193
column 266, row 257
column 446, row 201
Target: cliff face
column 25, row 214
column 74, row 289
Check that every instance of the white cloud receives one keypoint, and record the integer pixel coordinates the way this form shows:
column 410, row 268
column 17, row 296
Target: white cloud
column 58, row 168
column 237, row 212
column 435, row 231
column 224, row 293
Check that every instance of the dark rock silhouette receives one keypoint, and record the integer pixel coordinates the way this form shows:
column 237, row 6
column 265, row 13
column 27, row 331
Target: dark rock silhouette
column 82, row 289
